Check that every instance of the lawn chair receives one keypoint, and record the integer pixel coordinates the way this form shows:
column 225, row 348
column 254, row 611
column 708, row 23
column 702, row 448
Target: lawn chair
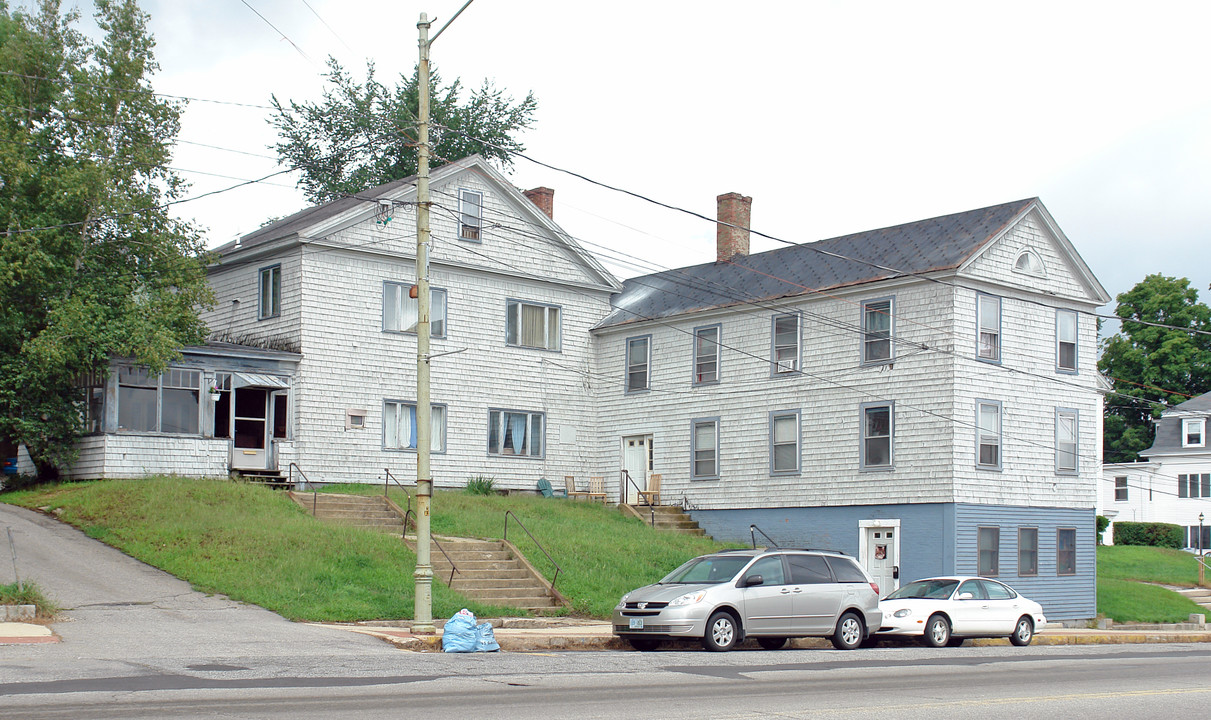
column 597, row 488
column 544, row 487
column 569, row 482
column 651, row 496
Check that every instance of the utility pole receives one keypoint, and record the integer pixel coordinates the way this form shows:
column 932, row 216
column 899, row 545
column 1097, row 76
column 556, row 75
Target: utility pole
column 422, row 621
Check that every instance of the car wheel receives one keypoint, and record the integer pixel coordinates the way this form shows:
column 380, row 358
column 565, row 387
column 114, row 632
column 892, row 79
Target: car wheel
column 955, row 641
column 644, row 644
column 1023, row 633
column 721, row 632
column 937, row 631
column 771, row 643
column 849, row 633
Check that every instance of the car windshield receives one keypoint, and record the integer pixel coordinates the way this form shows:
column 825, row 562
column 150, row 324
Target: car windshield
column 709, row 569
column 931, row 589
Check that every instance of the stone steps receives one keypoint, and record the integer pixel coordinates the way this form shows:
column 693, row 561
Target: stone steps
column 669, row 517
column 488, row 572
column 371, row 512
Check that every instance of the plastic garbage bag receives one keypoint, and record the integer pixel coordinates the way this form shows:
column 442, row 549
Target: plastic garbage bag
column 485, row 639
column 459, row 633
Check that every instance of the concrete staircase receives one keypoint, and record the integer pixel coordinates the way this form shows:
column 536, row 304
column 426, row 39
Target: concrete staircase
column 364, row 511
column 670, row 517
column 492, row 572
column 1202, row 596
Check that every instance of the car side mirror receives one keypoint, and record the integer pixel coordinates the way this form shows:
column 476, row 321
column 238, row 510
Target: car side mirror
column 752, row 580
column 966, row 596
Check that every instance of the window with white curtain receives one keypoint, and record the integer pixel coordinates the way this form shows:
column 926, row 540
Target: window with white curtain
column 989, row 320
column 531, row 325
column 516, row 433
column 988, row 451
column 402, row 313
column 1065, row 441
column 399, row 426
column 785, row 343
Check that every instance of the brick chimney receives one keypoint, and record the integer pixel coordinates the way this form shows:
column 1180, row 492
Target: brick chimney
column 544, row 198
column 733, row 209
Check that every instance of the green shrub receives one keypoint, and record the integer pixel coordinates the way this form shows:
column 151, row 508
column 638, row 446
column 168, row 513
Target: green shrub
column 1151, row 533
column 480, row 485
column 1103, row 522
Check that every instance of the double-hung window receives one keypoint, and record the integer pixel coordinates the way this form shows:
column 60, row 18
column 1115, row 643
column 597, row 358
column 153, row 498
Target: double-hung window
column 784, row 441
column 877, row 330
column 532, row 325
column 1193, row 430
column 401, row 313
column 1194, row 485
column 988, row 549
column 988, row 344
column 706, row 355
column 877, row 426
column 785, row 340
column 1065, row 340
column 1120, row 488
column 470, row 214
column 1065, row 441
column 1028, row 551
column 1065, row 551
column 516, row 433
column 169, row 403
column 270, row 293
column 704, row 449
column 988, row 443
column 639, row 362
column 399, row 426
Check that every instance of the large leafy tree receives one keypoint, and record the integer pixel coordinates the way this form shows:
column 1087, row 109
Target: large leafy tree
column 1150, row 366
column 91, row 264
column 364, row 134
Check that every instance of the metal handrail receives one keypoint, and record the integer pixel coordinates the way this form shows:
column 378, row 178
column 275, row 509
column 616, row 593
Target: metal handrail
column 388, row 477
column 753, row 530
column 453, row 567
column 1203, row 566
column 537, row 544
column 290, row 479
column 626, row 475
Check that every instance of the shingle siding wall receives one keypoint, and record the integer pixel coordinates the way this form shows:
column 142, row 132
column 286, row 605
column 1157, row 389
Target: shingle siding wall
column 241, row 281
column 997, row 262
column 125, row 456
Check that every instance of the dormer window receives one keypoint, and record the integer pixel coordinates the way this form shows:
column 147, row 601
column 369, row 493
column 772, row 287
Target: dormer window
column 1193, row 432
column 1028, row 262
column 470, row 214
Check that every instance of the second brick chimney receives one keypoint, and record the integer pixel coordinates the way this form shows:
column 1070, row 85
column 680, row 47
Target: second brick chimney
column 731, row 237
column 544, row 198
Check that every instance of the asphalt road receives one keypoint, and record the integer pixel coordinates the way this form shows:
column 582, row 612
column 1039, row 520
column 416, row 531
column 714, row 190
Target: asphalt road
column 140, row 644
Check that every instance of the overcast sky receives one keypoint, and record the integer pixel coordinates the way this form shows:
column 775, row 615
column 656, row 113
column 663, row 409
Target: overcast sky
column 835, row 117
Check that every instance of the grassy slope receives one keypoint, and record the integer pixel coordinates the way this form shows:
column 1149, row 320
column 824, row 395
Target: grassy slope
column 1122, row 595
column 255, row 545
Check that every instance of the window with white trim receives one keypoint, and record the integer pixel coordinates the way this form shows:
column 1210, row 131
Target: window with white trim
column 1029, row 263
column 988, row 342
column 470, row 214
column 988, row 419
column 1065, row 340
column 1120, row 489
column 532, row 325
column 516, row 433
column 399, row 426
column 704, row 449
column 877, row 424
column 785, row 332
column 1066, row 441
column 401, row 313
column 1193, row 432
column 269, row 302
column 877, row 330
column 784, row 441
column 706, row 355
column 639, row 356
column 168, row 403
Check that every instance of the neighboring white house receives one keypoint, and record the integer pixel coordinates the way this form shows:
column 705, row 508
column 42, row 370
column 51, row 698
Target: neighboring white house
column 922, row 396
column 1173, row 483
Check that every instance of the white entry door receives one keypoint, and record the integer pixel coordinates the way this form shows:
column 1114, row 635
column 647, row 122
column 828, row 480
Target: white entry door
column 636, row 460
column 250, row 418
column 880, row 557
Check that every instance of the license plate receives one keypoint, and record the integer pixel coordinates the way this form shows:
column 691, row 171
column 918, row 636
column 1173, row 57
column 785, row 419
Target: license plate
column 636, row 623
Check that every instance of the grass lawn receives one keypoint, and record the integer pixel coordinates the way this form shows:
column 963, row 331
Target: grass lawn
column 255, row 545
column 1122, row 590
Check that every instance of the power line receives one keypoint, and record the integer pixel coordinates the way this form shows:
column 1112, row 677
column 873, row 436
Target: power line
column 279, row 32
column 65, row 81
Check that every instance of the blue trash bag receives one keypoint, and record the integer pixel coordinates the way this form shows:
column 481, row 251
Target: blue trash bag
column 459, row 633
column 485, row 640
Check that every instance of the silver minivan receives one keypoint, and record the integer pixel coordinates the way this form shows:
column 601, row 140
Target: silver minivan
column 768, row 594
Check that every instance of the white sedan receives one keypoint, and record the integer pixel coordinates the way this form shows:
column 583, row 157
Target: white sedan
column 948, row 610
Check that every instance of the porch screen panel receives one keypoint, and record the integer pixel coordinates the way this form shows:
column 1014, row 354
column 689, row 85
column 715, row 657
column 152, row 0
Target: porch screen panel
column 180, row 408
column 136, row 400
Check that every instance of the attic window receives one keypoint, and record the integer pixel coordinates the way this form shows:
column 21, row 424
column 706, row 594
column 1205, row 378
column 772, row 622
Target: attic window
column 470, row 214
column 1193, row 432
column 1029, row 263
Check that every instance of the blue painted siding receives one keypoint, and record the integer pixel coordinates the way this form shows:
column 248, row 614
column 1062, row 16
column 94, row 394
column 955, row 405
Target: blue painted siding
column 938, row 539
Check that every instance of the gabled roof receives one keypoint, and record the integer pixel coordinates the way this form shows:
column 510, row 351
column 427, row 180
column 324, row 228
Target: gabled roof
column 926, row 246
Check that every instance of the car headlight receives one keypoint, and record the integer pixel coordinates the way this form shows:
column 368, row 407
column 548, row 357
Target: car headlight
column 902, row 612
column 688, row 599
column 623, row 602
